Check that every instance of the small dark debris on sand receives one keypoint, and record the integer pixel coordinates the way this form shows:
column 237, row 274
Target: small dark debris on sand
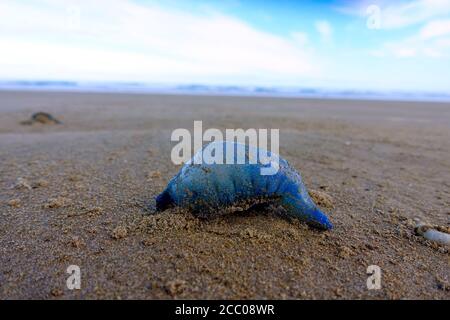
column 22, row 183
column 322, row 199
column 175, row 287
column 40, row 183
column 94, row 211
column 58, row 202
column 443, row 284
column 77, row 242
column 15, row 203
column 56, row 292
column 41, row 117
column 119, row 232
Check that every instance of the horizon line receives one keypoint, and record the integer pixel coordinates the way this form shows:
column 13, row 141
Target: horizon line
column 222, row 89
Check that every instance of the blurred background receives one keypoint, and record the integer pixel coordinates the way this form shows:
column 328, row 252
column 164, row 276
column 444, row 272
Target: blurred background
column 301, row 48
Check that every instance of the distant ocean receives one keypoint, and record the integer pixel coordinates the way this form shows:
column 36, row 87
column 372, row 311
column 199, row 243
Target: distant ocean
column 199, row 89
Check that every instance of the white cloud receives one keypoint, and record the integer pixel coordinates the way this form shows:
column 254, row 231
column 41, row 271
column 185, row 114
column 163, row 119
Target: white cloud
column 432, row 41
column 401, row 50
column 324, row 29
column 128, row 41
column 410, row 13
column 404, row 52
column 427, row 41
column 434, row 29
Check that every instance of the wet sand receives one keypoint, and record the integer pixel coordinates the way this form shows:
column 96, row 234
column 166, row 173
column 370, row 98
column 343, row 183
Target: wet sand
column 85, row 186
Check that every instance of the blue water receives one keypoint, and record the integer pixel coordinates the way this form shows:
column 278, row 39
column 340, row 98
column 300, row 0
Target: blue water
column 200, row 89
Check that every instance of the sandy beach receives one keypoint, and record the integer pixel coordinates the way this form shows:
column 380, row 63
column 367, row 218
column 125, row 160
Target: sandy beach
column 78, row 194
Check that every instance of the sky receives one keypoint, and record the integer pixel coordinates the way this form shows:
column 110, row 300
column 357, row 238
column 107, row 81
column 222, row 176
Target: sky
column 364, row 45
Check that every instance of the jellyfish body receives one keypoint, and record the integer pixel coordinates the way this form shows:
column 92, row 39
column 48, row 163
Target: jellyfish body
column 205, row 184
